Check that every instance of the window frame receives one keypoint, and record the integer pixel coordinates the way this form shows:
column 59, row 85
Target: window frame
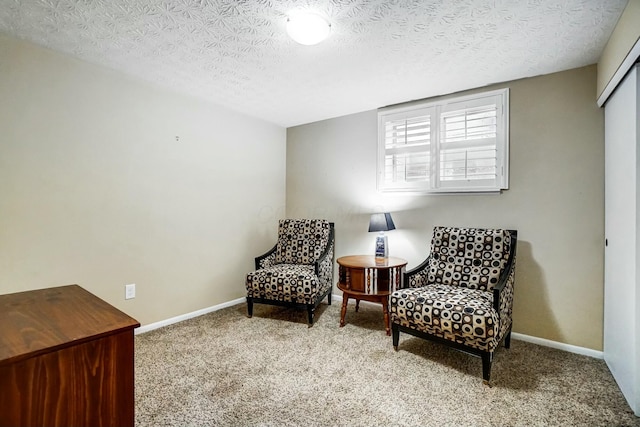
column 435, row 109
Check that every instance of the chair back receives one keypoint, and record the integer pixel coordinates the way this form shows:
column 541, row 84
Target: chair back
column 301, row 241
column 469, row 257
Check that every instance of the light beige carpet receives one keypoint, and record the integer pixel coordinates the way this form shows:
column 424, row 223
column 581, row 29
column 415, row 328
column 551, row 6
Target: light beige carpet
column 224, row 369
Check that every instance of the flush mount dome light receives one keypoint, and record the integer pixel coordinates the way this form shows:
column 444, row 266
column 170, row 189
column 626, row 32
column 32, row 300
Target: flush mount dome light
column 308, row 28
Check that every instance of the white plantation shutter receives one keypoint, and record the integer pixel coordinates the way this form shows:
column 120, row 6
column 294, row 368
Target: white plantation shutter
column 407, row 149
column 456, row 145
column 468, row 149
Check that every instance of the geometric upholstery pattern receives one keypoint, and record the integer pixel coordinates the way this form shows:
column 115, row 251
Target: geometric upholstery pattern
column 462, row 294
column 285, row 282
column 467, row 257
column 471, row 258
column 301, row 241
column 298, row 270
column 457, row 314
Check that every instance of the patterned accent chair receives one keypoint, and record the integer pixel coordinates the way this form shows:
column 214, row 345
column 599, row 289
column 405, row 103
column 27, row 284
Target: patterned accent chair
column 462, row 294
column 298, row 271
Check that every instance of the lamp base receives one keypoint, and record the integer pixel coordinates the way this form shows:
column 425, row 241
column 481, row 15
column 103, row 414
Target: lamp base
column 382, row 247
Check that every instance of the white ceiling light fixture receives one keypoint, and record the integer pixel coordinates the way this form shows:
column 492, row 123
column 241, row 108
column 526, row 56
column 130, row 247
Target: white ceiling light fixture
column 308, row 28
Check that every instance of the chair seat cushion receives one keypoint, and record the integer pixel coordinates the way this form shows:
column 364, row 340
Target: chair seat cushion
column 296, row 283
column 456, row 314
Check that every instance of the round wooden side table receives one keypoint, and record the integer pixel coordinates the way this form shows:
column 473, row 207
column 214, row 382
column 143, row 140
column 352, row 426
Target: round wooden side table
column 368, row 278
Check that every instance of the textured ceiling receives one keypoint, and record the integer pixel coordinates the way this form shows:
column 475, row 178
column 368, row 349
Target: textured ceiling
column 380, row 52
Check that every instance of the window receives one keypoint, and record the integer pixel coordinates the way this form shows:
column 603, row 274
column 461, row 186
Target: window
column 454, row 145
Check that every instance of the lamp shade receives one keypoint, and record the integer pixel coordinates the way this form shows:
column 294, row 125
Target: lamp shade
column 381, row 222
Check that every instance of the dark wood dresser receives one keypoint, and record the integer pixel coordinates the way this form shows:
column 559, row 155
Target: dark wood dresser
column 66, row 359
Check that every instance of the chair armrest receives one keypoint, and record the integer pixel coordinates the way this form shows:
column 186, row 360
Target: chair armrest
column 416, row 277
column 503, row 301
column 267, row 259
column 324, row 265
column 503, row 291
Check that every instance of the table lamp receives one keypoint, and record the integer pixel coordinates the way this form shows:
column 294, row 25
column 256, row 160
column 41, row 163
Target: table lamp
column 381, row 222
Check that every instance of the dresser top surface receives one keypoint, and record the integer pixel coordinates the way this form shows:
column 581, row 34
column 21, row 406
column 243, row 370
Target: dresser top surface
column 34, row 322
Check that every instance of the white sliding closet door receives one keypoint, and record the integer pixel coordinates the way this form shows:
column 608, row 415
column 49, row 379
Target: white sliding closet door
column 622, row 226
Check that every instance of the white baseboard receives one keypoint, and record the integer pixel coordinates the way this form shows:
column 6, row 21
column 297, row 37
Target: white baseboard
column 167, row 322
column 527, row 338
column 559, row 345
column 534, row 340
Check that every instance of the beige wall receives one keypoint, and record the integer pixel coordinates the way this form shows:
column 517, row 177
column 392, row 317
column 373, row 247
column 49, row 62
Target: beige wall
column 625, row 35
column 95, row 189
column 555, row 200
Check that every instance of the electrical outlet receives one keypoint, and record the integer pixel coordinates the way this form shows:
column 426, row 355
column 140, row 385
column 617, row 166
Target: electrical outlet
column 130, row 291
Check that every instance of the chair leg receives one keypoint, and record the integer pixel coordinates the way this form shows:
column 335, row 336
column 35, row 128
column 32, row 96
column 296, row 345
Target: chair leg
column 507, row 339
column 329, row 298
column 487, row 358
column 249, row 307
column 395, row 333
column 310, row 310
